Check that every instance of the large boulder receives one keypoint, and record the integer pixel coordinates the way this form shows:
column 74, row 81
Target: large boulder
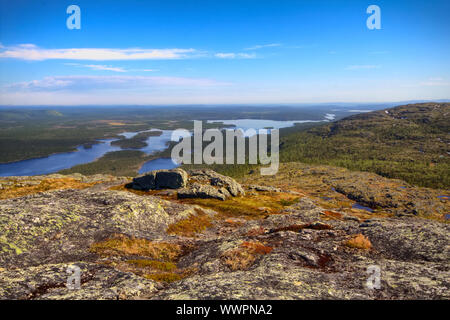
column 203, row 183
column 203, row 191
column 215, row 179
column 144, row 182
column 207, row 183
column 160, row 179
column 171, row 179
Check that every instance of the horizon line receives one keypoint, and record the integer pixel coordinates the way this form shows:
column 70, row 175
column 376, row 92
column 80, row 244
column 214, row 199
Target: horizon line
column 230, row 104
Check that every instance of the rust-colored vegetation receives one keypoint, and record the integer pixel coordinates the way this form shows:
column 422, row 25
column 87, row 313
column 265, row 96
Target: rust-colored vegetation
column 165, row 277
column 19, row 190
column 256, row 232
column 248, row 207
column 123, row 246
column 191, row 226
column 232, row 222
column 257, row 247
column 332, row 215
column 153, row 264
column 238, row 259
column 157, row 260
column 243, row 257
column 359, row 241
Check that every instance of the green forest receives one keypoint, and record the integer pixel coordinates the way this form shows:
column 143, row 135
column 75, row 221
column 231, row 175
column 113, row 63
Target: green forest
column 409, row 142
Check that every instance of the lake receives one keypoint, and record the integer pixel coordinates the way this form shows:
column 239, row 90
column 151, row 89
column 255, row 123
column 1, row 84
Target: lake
column 59, row 161
column 158, row 164
column 257, row 124
column 56, row 162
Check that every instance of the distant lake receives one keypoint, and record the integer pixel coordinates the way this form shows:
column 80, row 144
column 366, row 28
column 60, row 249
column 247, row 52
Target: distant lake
column 257, row 124
column 158, row 164
column 59, row 161
column 56, row 162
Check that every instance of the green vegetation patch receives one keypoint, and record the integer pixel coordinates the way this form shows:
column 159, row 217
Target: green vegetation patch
column 136, row 142
column 153, row 264
column 117, row 163
column 190, row 226
column 407, row 142
column 123, row 245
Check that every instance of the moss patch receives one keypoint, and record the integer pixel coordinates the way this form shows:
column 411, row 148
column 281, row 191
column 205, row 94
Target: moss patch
column 165, row 277
column 123, row 245
column 153, row 264
column 192, row 225
column 250, row 206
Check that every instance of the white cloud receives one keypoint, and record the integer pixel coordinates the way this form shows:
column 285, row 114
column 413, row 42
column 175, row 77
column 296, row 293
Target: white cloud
column 104, row 68
column 261, row 46
column 101, row 67
column 98, row 67
column 33, row 52
column 373, row 90
column 362, row 67
column 232, row 55
column 92, row 83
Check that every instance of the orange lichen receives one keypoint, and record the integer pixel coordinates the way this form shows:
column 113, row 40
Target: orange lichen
column 233, row 222
column 332, row 215
column 257, row 247
column 256, row 232
column 238, row 259
column 16, row 190
column 359, row 241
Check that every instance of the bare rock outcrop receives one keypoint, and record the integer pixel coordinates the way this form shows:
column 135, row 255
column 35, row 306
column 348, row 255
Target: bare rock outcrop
column 204, row 191
column 160, row 179
column 151, row 245
column 195, row 184
column 50, row 281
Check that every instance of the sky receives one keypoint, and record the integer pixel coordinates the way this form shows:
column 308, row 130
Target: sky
column 150, row 52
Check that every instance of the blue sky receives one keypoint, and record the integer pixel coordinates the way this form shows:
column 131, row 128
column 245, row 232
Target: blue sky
column 183, row 52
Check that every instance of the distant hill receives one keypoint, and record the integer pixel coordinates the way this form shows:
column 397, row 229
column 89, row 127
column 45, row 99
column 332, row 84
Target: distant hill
column 410, row 142
column 21, row 115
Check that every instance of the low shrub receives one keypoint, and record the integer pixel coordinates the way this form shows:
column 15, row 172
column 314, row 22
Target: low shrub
column 360, row 242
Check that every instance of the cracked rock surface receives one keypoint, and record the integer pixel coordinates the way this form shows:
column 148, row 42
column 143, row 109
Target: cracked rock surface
column 289, row 239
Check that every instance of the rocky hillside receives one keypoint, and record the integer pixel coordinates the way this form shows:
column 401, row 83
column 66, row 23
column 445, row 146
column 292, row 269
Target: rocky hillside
column 410, row 142
column 309, row 233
